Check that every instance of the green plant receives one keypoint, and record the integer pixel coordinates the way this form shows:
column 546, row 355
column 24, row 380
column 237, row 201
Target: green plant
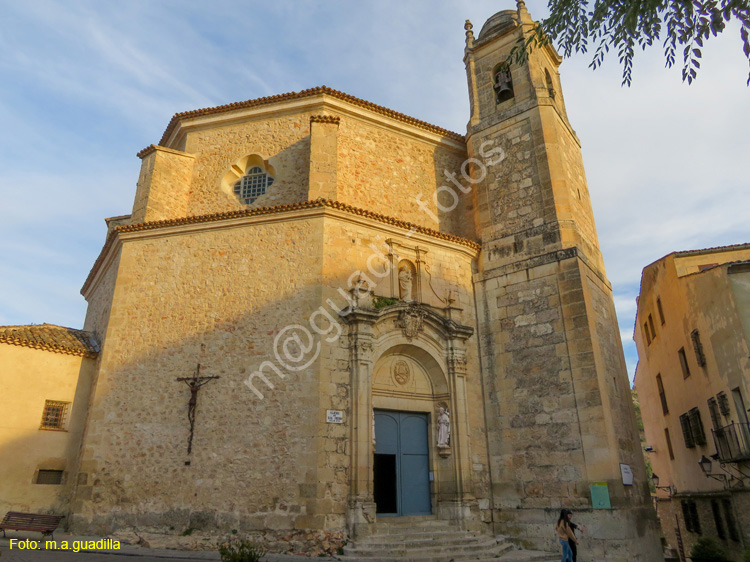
column 234, row 531
column 241, row 551
column 382, row 302
column 706, row 548
column 746, row 556
column 187, row 532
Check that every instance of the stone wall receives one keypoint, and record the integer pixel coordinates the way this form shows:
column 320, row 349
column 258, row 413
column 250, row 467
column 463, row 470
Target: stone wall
column 217, row 297
column 283, row 140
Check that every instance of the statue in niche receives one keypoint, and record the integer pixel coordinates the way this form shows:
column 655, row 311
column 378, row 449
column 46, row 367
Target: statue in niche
column 503, row 84
column 405, row 282
column 444, row 429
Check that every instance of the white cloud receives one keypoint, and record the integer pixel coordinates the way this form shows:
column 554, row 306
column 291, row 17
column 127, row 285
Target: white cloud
column 85, row 85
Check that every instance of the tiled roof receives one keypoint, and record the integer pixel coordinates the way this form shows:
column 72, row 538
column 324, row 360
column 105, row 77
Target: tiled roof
column 304, row 94
column 50, row 337
column 318, row 203
column 714, row 249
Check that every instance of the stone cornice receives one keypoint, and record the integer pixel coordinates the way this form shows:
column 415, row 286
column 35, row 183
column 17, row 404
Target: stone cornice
column 153, row 148
column 330, row 119
column 299, row 210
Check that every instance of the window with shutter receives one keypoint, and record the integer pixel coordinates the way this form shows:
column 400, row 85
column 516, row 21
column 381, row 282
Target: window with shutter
column 696, row 427
column 687, row 434
column 729, row 518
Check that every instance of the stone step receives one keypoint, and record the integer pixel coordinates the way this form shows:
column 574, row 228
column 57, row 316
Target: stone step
column 475, row 545
column 389, row 535
column 447, row 554
column 408, row 522
column 419, row 538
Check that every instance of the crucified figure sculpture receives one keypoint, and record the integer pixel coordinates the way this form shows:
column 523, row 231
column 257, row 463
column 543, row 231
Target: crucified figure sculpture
column 194, row 384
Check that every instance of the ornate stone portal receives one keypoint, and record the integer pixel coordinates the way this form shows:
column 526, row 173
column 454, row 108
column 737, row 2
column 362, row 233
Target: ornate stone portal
column 405, row 358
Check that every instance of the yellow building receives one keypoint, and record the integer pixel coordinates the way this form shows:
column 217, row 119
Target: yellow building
column 693, row 380
column 323, row 316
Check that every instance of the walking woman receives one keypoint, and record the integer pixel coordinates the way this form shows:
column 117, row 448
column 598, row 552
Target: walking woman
column 565, row 533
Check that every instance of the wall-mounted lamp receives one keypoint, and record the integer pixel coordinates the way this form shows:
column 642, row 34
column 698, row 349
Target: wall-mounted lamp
column 706, row 464
column 655, row 481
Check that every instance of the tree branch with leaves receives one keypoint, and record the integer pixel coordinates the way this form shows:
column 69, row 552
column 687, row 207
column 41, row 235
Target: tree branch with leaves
column 621, row 26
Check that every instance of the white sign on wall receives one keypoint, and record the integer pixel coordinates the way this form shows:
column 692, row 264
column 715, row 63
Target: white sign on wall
column 627, row 474
column 334, row 416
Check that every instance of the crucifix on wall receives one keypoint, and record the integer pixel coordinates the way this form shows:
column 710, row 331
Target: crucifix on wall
column 194, row 384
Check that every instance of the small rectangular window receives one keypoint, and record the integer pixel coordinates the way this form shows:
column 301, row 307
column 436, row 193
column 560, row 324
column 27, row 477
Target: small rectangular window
column 700, row 357
column 661, row 311
column 690, row 514
column 49, row 477
column 651, row 325
column 705, row 266
column 647, row 333
column 717, row 520
column 662, row 395
column 54, row 415
column 687, row 433
column 669, row 443
column 683, row 363
column 731, row 521
column 696, row 427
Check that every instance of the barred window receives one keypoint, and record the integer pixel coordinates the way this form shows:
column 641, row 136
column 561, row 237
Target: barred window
column 49, row 477
column 696, row 427
column 723, row 404
column 700, row 357
column 253, row 184
column 713, row 409
column 690, row 514
column 54, row 415
column 683, row 363
column 717, row 520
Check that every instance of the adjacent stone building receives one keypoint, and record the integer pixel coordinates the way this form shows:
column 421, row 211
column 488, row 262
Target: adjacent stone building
column 322, row 315
column 693, row 378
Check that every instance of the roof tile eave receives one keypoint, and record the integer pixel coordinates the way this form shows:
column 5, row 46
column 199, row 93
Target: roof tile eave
column 320, row 90
column 50, row 337
column 196, row 219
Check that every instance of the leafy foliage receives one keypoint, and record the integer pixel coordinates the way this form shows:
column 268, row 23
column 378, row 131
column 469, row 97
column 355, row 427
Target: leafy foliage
column 746, row 556
column 241, row 551
column 382, row 302
column 681, row 26
column 706, row 548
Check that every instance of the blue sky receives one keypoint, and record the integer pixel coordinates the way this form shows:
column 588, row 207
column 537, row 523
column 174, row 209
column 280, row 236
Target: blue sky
column 85, row 85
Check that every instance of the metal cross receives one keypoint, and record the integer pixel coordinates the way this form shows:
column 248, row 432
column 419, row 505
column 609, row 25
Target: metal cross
column 194, row 384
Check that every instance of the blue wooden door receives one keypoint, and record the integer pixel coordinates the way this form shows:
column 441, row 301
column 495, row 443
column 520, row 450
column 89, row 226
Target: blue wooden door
column 402, row 464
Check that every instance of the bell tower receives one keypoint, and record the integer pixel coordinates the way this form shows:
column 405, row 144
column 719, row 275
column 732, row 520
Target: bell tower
column 561, row 427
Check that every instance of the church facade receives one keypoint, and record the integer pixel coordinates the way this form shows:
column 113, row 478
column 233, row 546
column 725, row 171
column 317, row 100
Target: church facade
column 322, row 313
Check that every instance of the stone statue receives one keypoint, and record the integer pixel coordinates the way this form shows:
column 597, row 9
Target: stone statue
column 405, row 283
column 444, row 429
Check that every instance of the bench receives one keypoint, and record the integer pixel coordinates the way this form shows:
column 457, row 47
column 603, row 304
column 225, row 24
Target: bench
column 17, row 521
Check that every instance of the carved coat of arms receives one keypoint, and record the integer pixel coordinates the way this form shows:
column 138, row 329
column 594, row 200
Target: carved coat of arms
column 401, row 372
column 411, row 322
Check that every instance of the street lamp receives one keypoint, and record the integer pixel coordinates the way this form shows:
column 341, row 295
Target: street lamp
column 705, row 465
column 655, row 482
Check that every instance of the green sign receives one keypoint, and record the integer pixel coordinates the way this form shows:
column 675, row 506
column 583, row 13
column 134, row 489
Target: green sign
column 600, row 495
